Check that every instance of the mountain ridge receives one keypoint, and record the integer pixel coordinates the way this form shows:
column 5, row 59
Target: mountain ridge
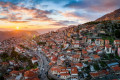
column 115, row 15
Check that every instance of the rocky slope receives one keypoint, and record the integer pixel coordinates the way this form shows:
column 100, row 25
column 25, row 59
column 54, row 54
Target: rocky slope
column 115, row 15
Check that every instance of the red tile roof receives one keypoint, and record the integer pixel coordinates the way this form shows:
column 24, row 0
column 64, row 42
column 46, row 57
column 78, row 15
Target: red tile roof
column 65, row 74
column 29, row 74
column 79, row 64
column 74, row 70
column 116, row 68
column 34, row 58
column 35, row 79
column 14, row 72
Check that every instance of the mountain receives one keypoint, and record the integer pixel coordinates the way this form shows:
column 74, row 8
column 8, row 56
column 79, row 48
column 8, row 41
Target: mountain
column 18, row 33
column 115, row 15
column 42, row 31
column 63, row 28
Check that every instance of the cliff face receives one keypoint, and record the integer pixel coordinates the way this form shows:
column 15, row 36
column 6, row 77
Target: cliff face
column 115, row 15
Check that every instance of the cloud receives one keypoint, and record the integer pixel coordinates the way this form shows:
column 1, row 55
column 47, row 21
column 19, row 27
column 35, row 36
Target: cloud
column 18, row 21
column 94, row 5
column 64, row 23
column 75, row 15
column 20, row 14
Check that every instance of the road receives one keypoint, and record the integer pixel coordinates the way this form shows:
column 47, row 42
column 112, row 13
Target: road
column 43, row 65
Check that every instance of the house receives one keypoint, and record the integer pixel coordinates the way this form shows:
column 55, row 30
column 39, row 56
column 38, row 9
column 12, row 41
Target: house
column 79, row 66
column 92, row 69
column 51, row 64
column 96, row 57
column 89, row 49
column 116, row 69
column 54, row 59
column 69, row 51
column 36, row 78
column 64, row 71
column 113, row 64
column 14, row 73
column 99, row 73
column 11, row 62
column 116, row 42
column 76, row 58
column 34, row 60
column 84, row 39
column 89, row 41
column 64, row 76
column 84, row 52
column 76, row 45
column 108, row 49
column 74, row 73
column 99, row 51
column 30, row 75
column 5, row 64
column 55, row 70
column 99, row 42
column 107, row 42
column 119, row 51
column 36, row 70
column 86, row 58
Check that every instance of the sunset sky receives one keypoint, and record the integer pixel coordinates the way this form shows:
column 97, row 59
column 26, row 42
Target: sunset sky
column 44, row 14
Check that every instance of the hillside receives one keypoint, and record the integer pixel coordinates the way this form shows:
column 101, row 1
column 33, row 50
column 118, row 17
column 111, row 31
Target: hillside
column 115, row 15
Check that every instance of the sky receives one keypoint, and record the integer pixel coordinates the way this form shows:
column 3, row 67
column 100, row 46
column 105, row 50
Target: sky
column 47, row 14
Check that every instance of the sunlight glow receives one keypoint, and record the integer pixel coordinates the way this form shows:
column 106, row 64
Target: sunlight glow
column 17, row 28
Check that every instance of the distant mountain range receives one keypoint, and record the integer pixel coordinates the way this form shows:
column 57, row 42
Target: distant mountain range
column 18, row 33
column 115, row 15
column 42, row 31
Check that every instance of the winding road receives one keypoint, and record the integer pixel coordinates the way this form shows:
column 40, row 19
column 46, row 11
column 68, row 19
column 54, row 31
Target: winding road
column 43, row 65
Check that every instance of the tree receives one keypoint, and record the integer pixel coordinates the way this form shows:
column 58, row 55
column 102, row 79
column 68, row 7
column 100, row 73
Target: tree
column 117, row 33
column 96, row 66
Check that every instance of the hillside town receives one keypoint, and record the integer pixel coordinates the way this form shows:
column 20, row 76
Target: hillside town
column 82, row 52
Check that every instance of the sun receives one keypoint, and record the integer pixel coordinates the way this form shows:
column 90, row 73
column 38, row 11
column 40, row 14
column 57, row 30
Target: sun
column 17, row 28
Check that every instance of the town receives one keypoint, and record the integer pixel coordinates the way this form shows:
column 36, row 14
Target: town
column 83, row 52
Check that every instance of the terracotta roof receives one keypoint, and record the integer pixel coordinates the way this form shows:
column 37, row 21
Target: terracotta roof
column 29, row 74
column 5, row 63
column 108, row 46
column 61, row 67
column 116, row 68
column 96, row 74
column 65, row 74
column 34, row 58
column 84, row 52
column 117, row 40
column 79, row 64
column 76, row 56
column 74, row 70
column 54, row 58
column 14, row 72
column 98, row 51
column 36, row 69
column 51, row 63
column 12, row 61
column 100, row 73
column 96, row 56
column 64, row 71
column 35, row 79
